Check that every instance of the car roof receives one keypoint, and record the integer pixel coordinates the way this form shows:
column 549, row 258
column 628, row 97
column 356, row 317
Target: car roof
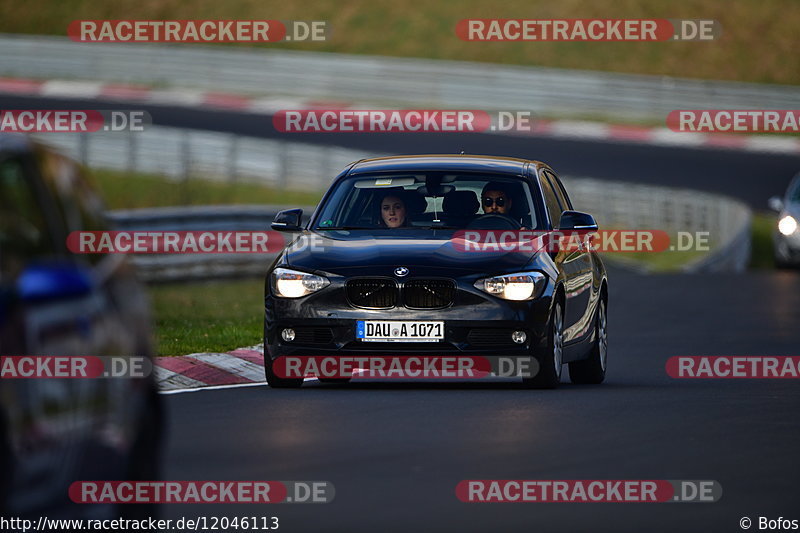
column 444, row 162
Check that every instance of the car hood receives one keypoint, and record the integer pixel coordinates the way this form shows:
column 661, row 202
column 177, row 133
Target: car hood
column 379, row 255
column 793, row 209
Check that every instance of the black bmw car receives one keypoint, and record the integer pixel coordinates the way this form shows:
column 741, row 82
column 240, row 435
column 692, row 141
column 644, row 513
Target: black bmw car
column 382, row 252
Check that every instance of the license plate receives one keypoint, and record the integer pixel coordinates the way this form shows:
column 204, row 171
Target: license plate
column 387, row 331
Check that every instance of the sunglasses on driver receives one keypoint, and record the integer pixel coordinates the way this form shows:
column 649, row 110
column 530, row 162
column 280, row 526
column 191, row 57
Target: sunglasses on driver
column 500, row 201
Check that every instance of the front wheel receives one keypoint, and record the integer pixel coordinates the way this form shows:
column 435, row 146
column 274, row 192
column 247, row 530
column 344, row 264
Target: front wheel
column 551, row 359
column 592, row 371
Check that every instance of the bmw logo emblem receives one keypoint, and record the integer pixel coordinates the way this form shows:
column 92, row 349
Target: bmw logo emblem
column 400, row 272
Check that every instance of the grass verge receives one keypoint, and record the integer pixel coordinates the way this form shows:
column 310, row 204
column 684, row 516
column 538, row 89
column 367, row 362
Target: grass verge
column 655, row 262
column 124, row 190
column 208, row 317
column 762, row 254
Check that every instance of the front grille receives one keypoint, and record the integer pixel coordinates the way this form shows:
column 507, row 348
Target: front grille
column 372, row 293
column 428, row 293
column 489, row 337
column 313, row 336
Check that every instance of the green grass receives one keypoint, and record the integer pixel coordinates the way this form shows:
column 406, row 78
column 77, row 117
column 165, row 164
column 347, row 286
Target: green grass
column 762, row 255
column 123, row 190
column 758, row 43
column 208, row 317
column 655, row 262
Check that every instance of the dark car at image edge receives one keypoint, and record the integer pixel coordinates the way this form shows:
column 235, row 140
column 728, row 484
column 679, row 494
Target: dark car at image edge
column 57, row 431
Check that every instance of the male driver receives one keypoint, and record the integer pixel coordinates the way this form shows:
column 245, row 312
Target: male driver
column 495, row 200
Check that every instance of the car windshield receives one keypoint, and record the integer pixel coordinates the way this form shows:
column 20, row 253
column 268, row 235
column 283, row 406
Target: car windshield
column 429, row 201
column 794, row 191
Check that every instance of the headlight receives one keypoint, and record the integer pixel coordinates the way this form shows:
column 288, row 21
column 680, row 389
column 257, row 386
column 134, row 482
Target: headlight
column 294, row 284
column 787, row 225
column 521, row 286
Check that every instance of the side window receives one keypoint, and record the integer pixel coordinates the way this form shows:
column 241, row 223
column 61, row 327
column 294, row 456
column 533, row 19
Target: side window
column 23, row 229
column 558, row 188
column 79, row 204
column 551, row 201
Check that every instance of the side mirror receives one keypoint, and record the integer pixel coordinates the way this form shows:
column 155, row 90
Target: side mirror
column 39, row 283
column 775, row 203
column 575, row 220
column 288, row 220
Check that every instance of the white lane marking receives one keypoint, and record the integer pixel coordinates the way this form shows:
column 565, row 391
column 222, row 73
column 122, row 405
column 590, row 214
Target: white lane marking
column 665, row 136
column 219, row 387
column 213, row 387
column 74, row 89
column 768, row 143
column 177, row 97
column 273, row 105
column 579, row 129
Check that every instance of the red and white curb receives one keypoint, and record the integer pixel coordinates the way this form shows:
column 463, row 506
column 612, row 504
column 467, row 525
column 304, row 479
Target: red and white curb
column 90, row 90
column 564, row 129
column 198, row 371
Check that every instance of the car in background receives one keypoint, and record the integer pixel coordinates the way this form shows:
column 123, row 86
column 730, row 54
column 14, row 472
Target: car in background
column 370, row 268
column 57, row 431
column 786, row 236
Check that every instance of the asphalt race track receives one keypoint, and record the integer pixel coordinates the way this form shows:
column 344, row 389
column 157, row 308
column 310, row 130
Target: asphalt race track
column 395, row 452
column 751, row 177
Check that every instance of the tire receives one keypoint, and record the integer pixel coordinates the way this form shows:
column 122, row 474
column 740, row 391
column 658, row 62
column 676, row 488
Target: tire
column 144, row 462
column 550, row 359
column 592, row 371
column 277, row 382
column 783, row 264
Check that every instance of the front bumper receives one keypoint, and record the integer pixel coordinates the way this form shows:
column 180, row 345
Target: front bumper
column 476, row 324
column 787, row 248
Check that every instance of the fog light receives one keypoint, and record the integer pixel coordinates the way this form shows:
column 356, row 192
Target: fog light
column 288, row 334
column 519, row 337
